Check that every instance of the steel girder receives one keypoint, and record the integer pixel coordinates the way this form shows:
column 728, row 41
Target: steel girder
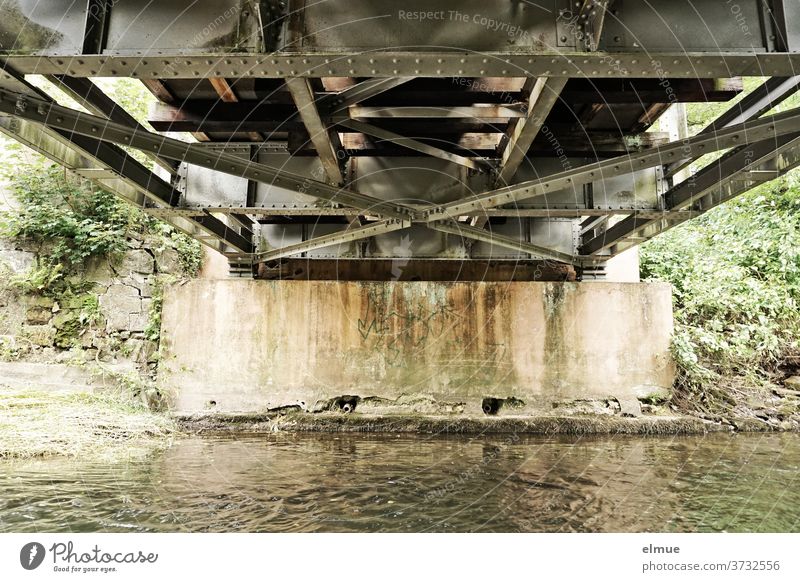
column 733, row 174
column 351, row 38
column 337, row 238
column 42, row 111
column 113, row 169
column 325, row 141
column 747, row 132
column 543, row 95
column 716, row 176
column 359, row 92
column 480, row 234
column 318, row 213
column 412, row 144
column 769, row 94
column 238, row 39
column 92, row 98
column 392, row 64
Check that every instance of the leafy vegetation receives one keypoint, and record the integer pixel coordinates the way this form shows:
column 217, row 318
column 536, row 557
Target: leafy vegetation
column 736, row 279
column 735, row 273
column 72, row 221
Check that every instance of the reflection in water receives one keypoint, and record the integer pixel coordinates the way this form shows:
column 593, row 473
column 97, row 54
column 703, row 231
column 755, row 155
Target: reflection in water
column 345, row 482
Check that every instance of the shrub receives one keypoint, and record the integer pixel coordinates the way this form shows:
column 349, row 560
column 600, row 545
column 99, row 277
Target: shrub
column 735, row 273
column 67, row 216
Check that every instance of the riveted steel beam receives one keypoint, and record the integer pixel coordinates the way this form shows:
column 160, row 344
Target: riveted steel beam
column 345, row 236
column 276, row 210
column 726, row 190
column 225, row 233
column 413, row 144
column 63, row 118
column 726, row 168
column 591, row 16
column 389, row 63
column 487, row 112
column 359, row 92
column 463, row 230
column 747, row 132
column 719, row 181
column 93, row 99
column 543, row 96
column 769, row 94
column 325, row 141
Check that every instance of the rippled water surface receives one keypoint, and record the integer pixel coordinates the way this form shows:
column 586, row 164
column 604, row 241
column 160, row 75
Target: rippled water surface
column 305, row 482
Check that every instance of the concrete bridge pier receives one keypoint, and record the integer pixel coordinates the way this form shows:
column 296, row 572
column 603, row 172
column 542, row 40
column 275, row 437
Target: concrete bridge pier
column 425, row 346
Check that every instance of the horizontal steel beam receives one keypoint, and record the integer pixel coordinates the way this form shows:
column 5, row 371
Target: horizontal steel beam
column 336, row 238
column 210, row 116
column 485, row 112
column 748, row 132
column 63, row 118
column 432, row 269
column 315, row 212
column 588, row 143
column 424, row 63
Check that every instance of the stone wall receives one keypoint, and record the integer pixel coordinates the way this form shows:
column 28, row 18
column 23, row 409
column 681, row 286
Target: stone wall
column 104, row 320
column 240, row 345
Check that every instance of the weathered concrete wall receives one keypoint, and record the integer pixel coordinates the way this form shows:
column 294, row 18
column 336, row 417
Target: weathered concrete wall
column 235, row 345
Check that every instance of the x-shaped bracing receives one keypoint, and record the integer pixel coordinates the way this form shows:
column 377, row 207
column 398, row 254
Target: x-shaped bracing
column 396, row 216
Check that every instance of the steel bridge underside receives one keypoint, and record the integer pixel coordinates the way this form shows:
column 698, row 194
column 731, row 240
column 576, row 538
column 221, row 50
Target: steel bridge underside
column 433, row 140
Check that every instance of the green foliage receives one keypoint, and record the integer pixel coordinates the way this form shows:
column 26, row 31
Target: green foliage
column 735, row 273
column 90, row 314
column 77, row 221
column 74, row 220
column 736, row 278
column 190, row 251
column 41, row 278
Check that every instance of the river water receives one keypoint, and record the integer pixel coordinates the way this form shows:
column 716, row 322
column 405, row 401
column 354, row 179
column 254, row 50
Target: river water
column 369, row 483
